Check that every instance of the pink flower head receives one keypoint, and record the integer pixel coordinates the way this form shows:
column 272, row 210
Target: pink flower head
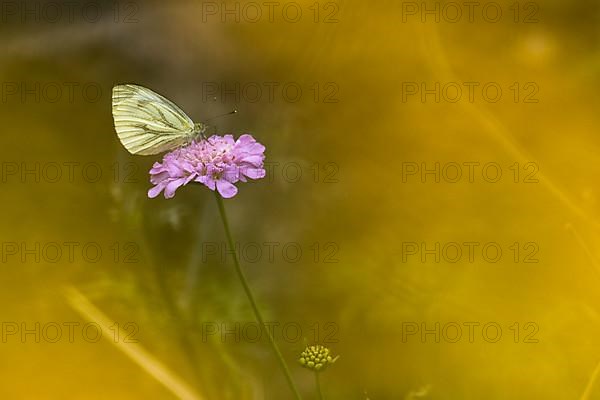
column 217, row 162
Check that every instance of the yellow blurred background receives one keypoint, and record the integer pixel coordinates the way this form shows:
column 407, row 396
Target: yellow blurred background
column 358, row 105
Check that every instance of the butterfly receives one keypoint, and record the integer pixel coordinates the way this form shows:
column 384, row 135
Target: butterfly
column 147, row 123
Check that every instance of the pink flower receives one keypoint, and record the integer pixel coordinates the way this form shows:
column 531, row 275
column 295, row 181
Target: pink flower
column 217, row 162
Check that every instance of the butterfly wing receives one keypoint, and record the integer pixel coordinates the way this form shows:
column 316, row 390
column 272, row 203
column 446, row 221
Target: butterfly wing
column 146, row 122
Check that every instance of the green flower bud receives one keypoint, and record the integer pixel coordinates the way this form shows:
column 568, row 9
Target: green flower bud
column 316, row 358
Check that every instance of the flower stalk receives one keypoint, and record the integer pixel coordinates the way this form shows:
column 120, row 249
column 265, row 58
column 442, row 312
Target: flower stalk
column 318, row 385
column 250, row 296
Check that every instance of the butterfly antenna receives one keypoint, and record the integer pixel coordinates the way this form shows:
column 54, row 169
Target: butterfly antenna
column 234, row 111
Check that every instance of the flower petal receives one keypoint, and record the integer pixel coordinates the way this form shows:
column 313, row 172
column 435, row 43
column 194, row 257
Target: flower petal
column 155, row 191
column 226, row 189
column 254, row 160
column 172, row 187
column 255, row 173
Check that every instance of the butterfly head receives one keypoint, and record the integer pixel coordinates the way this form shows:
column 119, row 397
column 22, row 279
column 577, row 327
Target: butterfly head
column 200, row 130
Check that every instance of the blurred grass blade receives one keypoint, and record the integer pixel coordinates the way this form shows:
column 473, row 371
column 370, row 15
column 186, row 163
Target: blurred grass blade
column 440, row 63
column 134, row 351
column 588, row 390
column 581, row 241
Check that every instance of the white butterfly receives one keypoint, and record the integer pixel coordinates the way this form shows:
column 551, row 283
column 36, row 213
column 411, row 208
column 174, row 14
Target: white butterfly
column 147, row 123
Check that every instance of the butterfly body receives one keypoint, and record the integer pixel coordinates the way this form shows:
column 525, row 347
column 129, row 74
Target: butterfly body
column 148, row 123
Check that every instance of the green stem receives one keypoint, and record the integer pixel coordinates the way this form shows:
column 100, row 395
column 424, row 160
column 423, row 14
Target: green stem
column 257, row 313
column 318, row 384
